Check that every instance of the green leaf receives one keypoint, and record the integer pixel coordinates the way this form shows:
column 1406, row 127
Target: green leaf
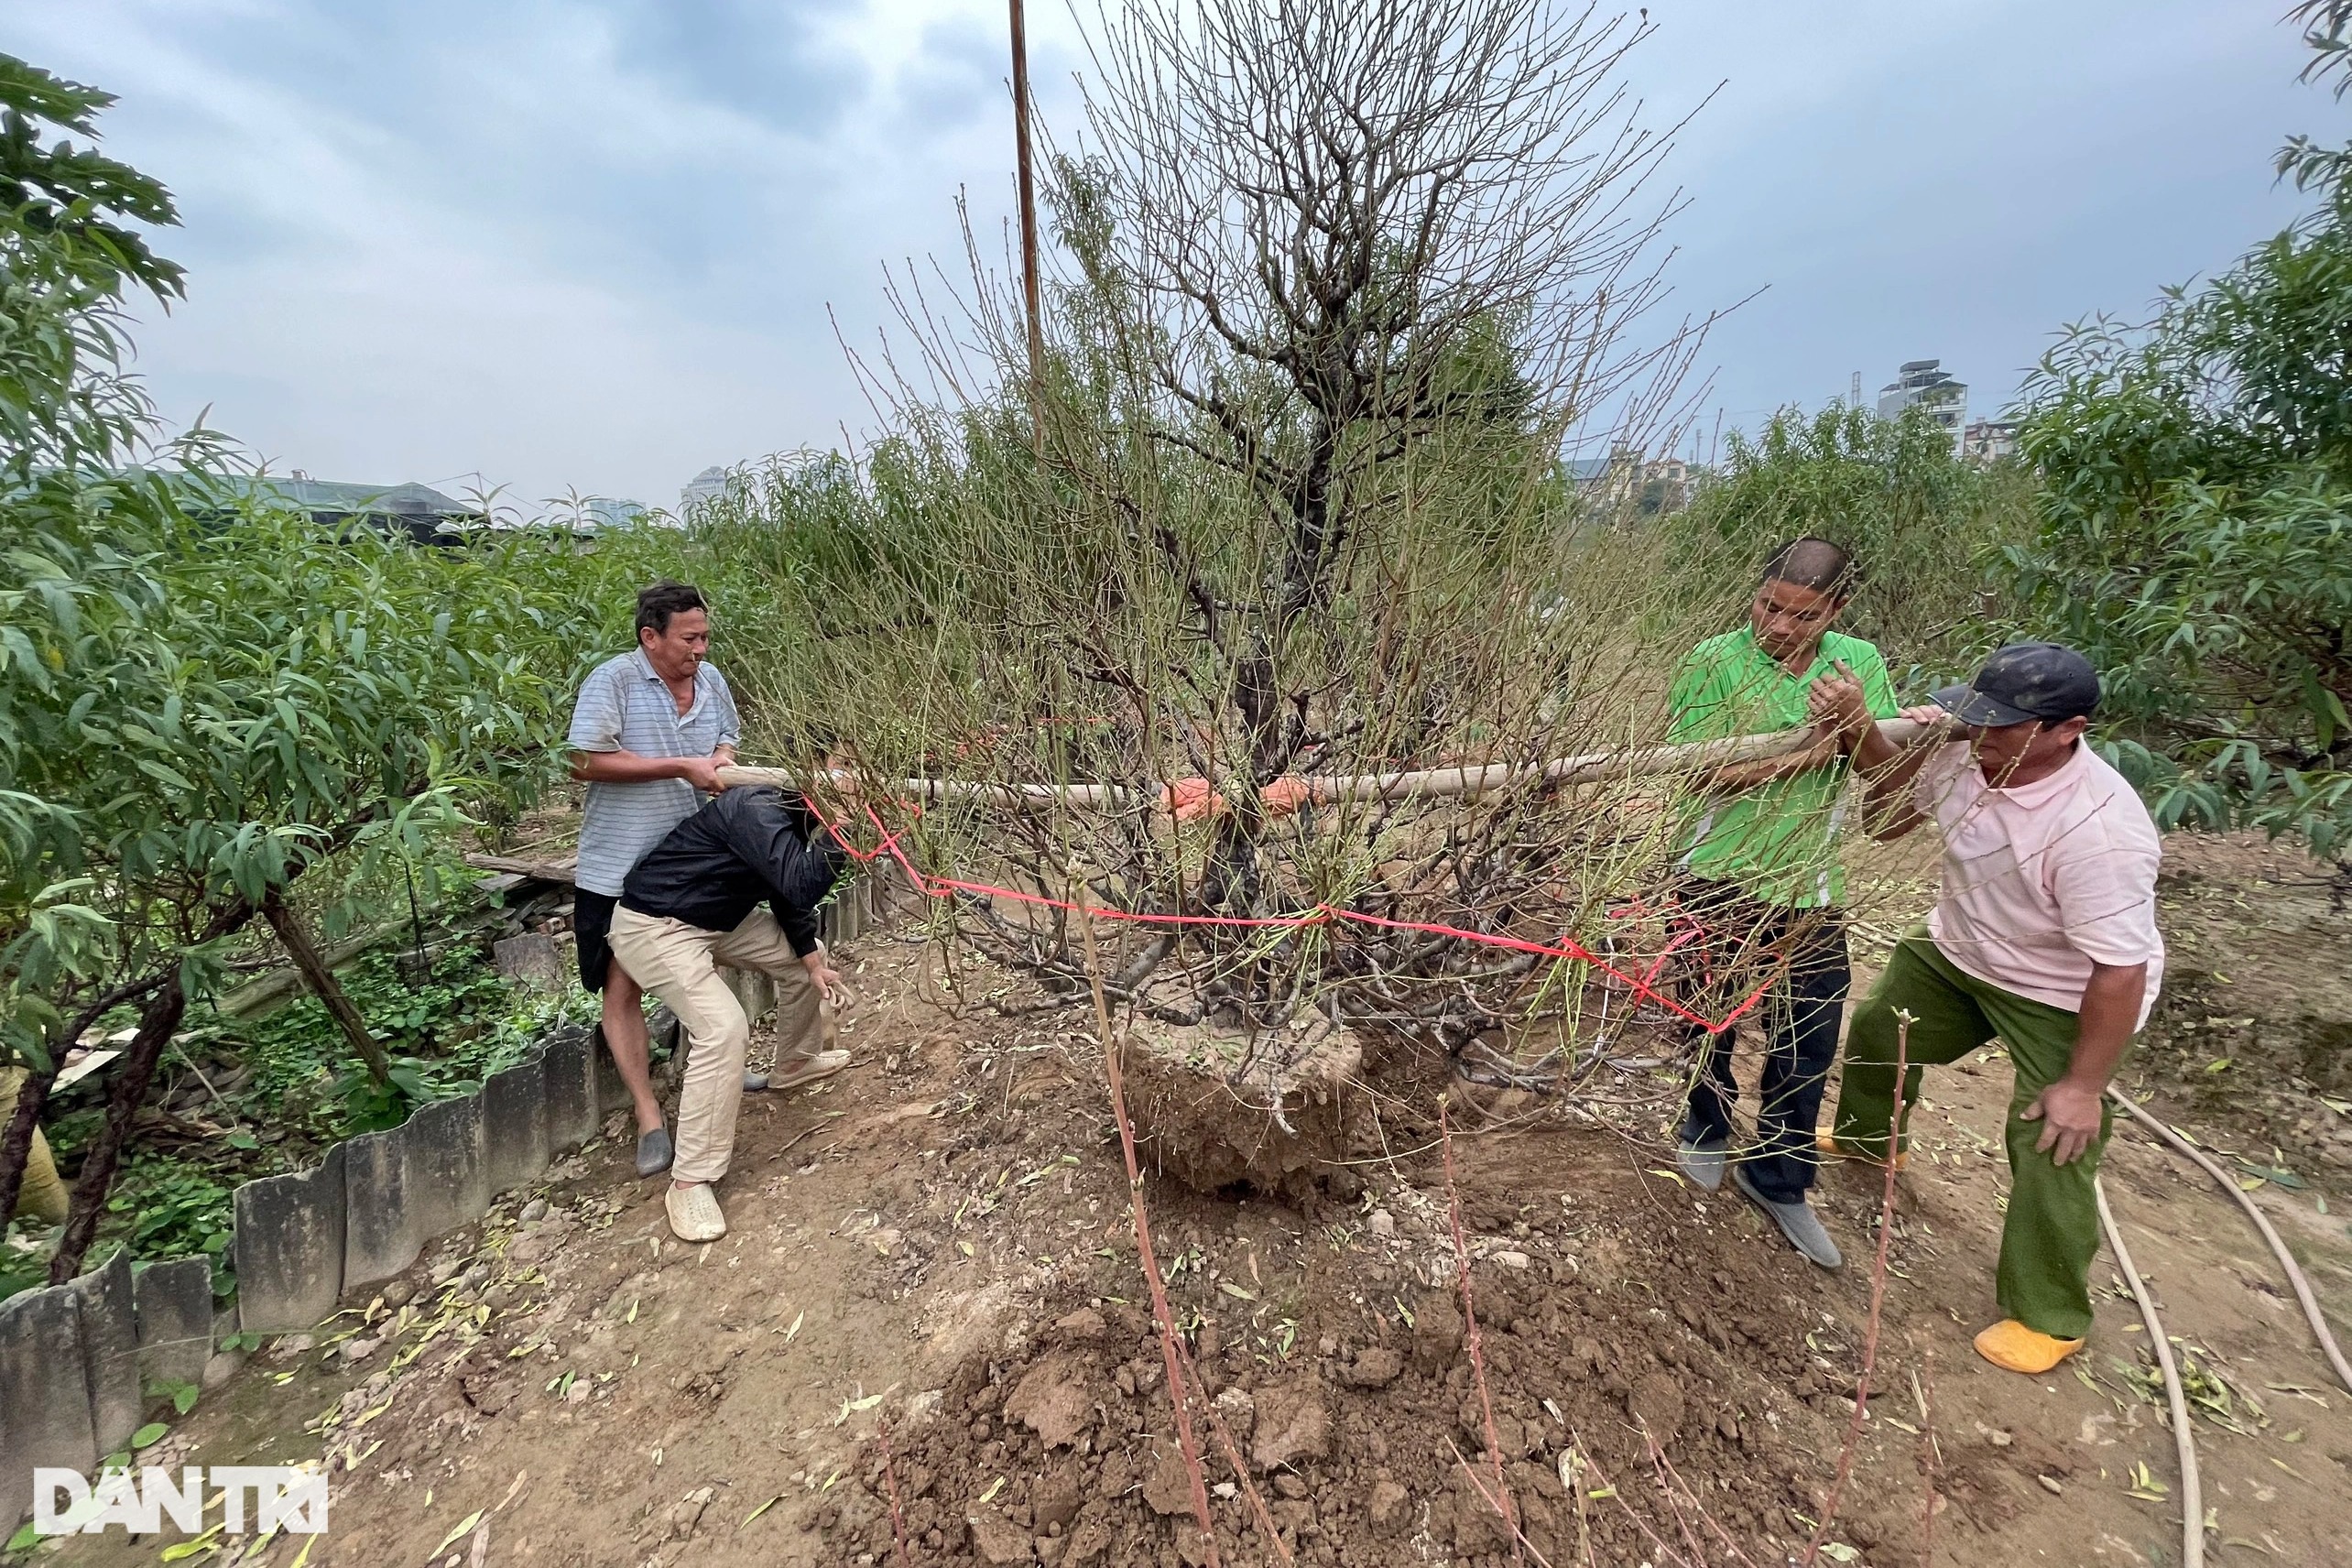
column 149, row 1436
column 194, row 1546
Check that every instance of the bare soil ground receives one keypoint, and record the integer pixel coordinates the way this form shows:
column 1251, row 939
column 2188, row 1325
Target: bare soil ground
column 938, row 1240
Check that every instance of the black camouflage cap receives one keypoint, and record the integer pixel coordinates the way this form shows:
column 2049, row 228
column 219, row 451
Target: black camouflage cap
column 2022, row 682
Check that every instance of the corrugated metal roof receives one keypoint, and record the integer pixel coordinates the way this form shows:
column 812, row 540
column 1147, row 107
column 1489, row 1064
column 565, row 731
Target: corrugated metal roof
column 335, row 496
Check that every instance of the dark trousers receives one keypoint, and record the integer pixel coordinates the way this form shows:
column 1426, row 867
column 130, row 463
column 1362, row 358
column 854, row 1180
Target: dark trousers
column 1745, row 943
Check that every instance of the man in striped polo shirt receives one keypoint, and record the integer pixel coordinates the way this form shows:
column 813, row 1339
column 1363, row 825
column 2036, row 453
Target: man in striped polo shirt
column 649, row 733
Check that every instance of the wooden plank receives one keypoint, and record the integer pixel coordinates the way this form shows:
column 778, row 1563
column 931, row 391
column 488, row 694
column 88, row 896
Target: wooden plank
column 559, row 872
column 285, row 982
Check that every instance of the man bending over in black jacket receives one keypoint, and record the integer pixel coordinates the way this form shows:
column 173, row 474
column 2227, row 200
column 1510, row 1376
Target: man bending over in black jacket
column 693, row 904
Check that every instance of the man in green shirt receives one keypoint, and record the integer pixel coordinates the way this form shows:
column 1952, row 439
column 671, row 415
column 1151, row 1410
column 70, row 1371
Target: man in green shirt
column 1763, row 882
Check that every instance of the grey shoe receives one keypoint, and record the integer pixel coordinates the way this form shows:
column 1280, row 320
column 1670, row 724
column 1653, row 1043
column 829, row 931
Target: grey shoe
column 1701, row 1159
column 653, row 1153
column 1797, row 1221
column 754, row 1082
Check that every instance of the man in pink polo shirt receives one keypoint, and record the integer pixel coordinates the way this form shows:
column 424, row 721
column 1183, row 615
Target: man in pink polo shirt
column 2044, row 935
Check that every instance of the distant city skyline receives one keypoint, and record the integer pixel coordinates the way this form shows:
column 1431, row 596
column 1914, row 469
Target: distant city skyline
column 597, row 247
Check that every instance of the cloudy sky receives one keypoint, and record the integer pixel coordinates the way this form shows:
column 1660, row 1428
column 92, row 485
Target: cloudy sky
column 598, row 244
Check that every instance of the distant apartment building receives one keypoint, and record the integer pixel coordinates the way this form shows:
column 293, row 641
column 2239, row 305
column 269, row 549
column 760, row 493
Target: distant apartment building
column 1610, row 480
column 705, row 486
column 1923, row 383
column 1665, row 484
column 1627, row 481
column 1988, row 441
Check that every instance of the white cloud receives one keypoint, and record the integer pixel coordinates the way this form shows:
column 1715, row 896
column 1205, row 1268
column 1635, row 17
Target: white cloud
column 591, row 244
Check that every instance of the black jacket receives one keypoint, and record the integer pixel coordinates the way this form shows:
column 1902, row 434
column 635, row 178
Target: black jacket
column 748, row 843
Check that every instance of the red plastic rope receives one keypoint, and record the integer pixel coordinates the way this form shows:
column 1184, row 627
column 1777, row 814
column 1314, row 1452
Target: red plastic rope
column 1642, row 984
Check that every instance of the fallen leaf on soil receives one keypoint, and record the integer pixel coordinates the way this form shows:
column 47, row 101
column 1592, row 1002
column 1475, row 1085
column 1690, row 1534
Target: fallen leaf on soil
column 463, row 1527
column 203, row 1543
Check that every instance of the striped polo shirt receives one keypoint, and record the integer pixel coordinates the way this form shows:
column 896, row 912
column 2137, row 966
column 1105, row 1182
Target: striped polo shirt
column 624, row 706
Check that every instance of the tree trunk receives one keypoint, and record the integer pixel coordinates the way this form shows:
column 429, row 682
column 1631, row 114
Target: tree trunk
column 17, row 1142
column 157, row 1021
column 17, row 1139
column 323, row 985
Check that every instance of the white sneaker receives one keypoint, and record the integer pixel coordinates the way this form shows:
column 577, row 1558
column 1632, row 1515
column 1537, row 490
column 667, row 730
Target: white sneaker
column 694, row 1213
column 794, row 1072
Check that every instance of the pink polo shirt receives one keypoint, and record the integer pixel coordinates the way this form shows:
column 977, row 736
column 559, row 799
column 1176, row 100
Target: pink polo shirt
column 2041, row 880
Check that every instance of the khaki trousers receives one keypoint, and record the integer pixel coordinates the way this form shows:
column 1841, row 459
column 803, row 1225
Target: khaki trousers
column 679, row 964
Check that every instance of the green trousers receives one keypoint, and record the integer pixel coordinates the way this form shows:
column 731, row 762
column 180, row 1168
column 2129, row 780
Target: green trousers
column 2052, row 1229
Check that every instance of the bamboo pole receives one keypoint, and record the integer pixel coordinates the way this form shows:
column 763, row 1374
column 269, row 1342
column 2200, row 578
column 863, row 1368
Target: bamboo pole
column 1430, row 783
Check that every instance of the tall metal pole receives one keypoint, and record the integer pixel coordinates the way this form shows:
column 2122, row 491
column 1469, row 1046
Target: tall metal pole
column 1028, row 231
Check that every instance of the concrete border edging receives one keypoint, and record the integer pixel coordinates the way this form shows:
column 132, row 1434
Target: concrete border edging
column 45, row 1412
column 287, row 1239
column 75, row 1358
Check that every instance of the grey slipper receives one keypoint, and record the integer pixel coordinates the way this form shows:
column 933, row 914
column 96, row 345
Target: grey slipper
column 1797, row 1221
column 1702, row 1161
column 653, row 1153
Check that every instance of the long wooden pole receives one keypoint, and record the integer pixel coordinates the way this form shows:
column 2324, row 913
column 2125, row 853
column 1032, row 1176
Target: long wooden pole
column 1422, row 784
column 1029, row 229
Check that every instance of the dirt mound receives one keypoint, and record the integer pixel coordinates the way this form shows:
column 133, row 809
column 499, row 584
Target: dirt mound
column 940, row 1236
column 1338, row 1365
